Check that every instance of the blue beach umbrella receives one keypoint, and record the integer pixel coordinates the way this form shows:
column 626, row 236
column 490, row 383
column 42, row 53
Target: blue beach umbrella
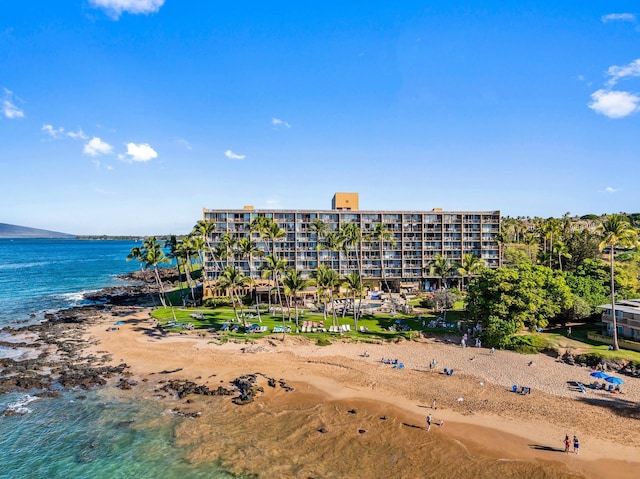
column 614, row 380
column 599, row 375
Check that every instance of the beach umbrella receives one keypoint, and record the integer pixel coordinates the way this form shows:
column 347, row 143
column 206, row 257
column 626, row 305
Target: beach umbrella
column 614, row 380
column 600, row 375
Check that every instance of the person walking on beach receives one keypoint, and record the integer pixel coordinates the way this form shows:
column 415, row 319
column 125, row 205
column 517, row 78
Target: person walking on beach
column 567, row 444
column 576, row 444
column 428, row 422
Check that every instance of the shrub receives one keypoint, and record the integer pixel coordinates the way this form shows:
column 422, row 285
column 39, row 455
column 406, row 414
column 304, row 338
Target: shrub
column 323, row 342
column 217, row 302
column 527, row 344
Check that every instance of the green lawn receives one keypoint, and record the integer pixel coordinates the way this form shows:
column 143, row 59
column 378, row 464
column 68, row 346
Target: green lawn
column 558, row 339
column 376, row 327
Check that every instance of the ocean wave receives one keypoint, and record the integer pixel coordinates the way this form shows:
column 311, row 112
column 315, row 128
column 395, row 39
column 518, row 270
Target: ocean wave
column 20, row 406
column 76, row 297
column 23, row 265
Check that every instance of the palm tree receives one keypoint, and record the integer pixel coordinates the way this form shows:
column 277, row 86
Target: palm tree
column 137, row 254
column 382, row 235
column 247, row 249
column 562, row 250
column 274, row 267
column 229, row 243
column 530, row 240
column 442, row 268
column 327, row 281
column 319, row 227
column 331, row 241
column 615, row 231
column 232, row 279
column 274, row 233
column 204, row 229
column 153, row 255
column 353, row 284
column 470, row 265
column 293, row 284
column 351, row 236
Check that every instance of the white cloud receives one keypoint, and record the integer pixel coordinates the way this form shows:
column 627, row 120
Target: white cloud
column 96, row 147
column 232, row 156
column 609, row 189
column 619, row 17
column 617, row 72
column 278, row 122
column 53, row 132
column 142, row 152
column 9, row 108
column 77, row 135
column 614, row 104
column 115, row 8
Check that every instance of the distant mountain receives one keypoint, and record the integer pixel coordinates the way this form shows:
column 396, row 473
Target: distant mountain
column 14, row 231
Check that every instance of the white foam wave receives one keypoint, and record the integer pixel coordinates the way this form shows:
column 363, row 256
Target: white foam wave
column 20, row 406
column 76, row 297
column 22, row 265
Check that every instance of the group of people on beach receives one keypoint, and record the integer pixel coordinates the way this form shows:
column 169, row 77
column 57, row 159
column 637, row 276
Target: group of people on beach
column 567, row 444
column 430, row 419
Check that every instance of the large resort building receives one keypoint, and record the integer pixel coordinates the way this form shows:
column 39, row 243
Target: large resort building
column 404, row 265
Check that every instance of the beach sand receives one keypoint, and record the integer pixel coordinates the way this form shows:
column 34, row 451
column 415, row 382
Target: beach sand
column 350, row 415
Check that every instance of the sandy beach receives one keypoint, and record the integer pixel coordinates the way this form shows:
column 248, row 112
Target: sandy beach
column 346, row 400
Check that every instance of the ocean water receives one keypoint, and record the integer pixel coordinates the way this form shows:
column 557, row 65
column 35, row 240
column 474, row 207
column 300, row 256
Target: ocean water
column 83, row 434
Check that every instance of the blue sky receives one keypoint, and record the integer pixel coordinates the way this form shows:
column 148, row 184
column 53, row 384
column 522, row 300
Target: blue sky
column 130, row 116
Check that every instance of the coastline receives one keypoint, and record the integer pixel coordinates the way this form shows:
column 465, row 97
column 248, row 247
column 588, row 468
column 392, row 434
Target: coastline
column 489, row 422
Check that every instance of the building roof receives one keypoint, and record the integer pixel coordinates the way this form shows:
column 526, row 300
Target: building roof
column 626, row 306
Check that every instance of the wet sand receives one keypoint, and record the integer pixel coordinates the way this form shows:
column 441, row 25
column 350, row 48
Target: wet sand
column 353, row 414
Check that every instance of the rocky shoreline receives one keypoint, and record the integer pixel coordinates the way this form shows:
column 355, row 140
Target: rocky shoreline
column 55, row 360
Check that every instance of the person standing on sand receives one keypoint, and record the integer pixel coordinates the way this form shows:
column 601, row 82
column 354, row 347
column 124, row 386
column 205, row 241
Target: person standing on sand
column 567, row 444
column 576, row 444
column 428, row 422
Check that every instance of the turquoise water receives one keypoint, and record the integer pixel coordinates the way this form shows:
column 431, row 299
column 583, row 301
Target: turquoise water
column 106, row 434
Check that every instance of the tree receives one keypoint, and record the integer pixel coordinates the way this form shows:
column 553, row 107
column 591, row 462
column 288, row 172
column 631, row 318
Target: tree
column 583, row 245
column 137, row 254
column 232, row 279
column 351, row 236
column 353, row 283
column 615, row 232
column 293, row 284
column 470, row 266
column 247, row 249
column 153, row 255
column 331, row 241
column 442, row 268
column 274, row 267
column 273, row 232
column 327, row 281
column 383, row 235
column 204, row 229
column 561, row 249
column 508, row 299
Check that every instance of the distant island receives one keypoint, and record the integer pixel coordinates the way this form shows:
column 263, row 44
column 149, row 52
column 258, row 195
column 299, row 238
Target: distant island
column 14, row 231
